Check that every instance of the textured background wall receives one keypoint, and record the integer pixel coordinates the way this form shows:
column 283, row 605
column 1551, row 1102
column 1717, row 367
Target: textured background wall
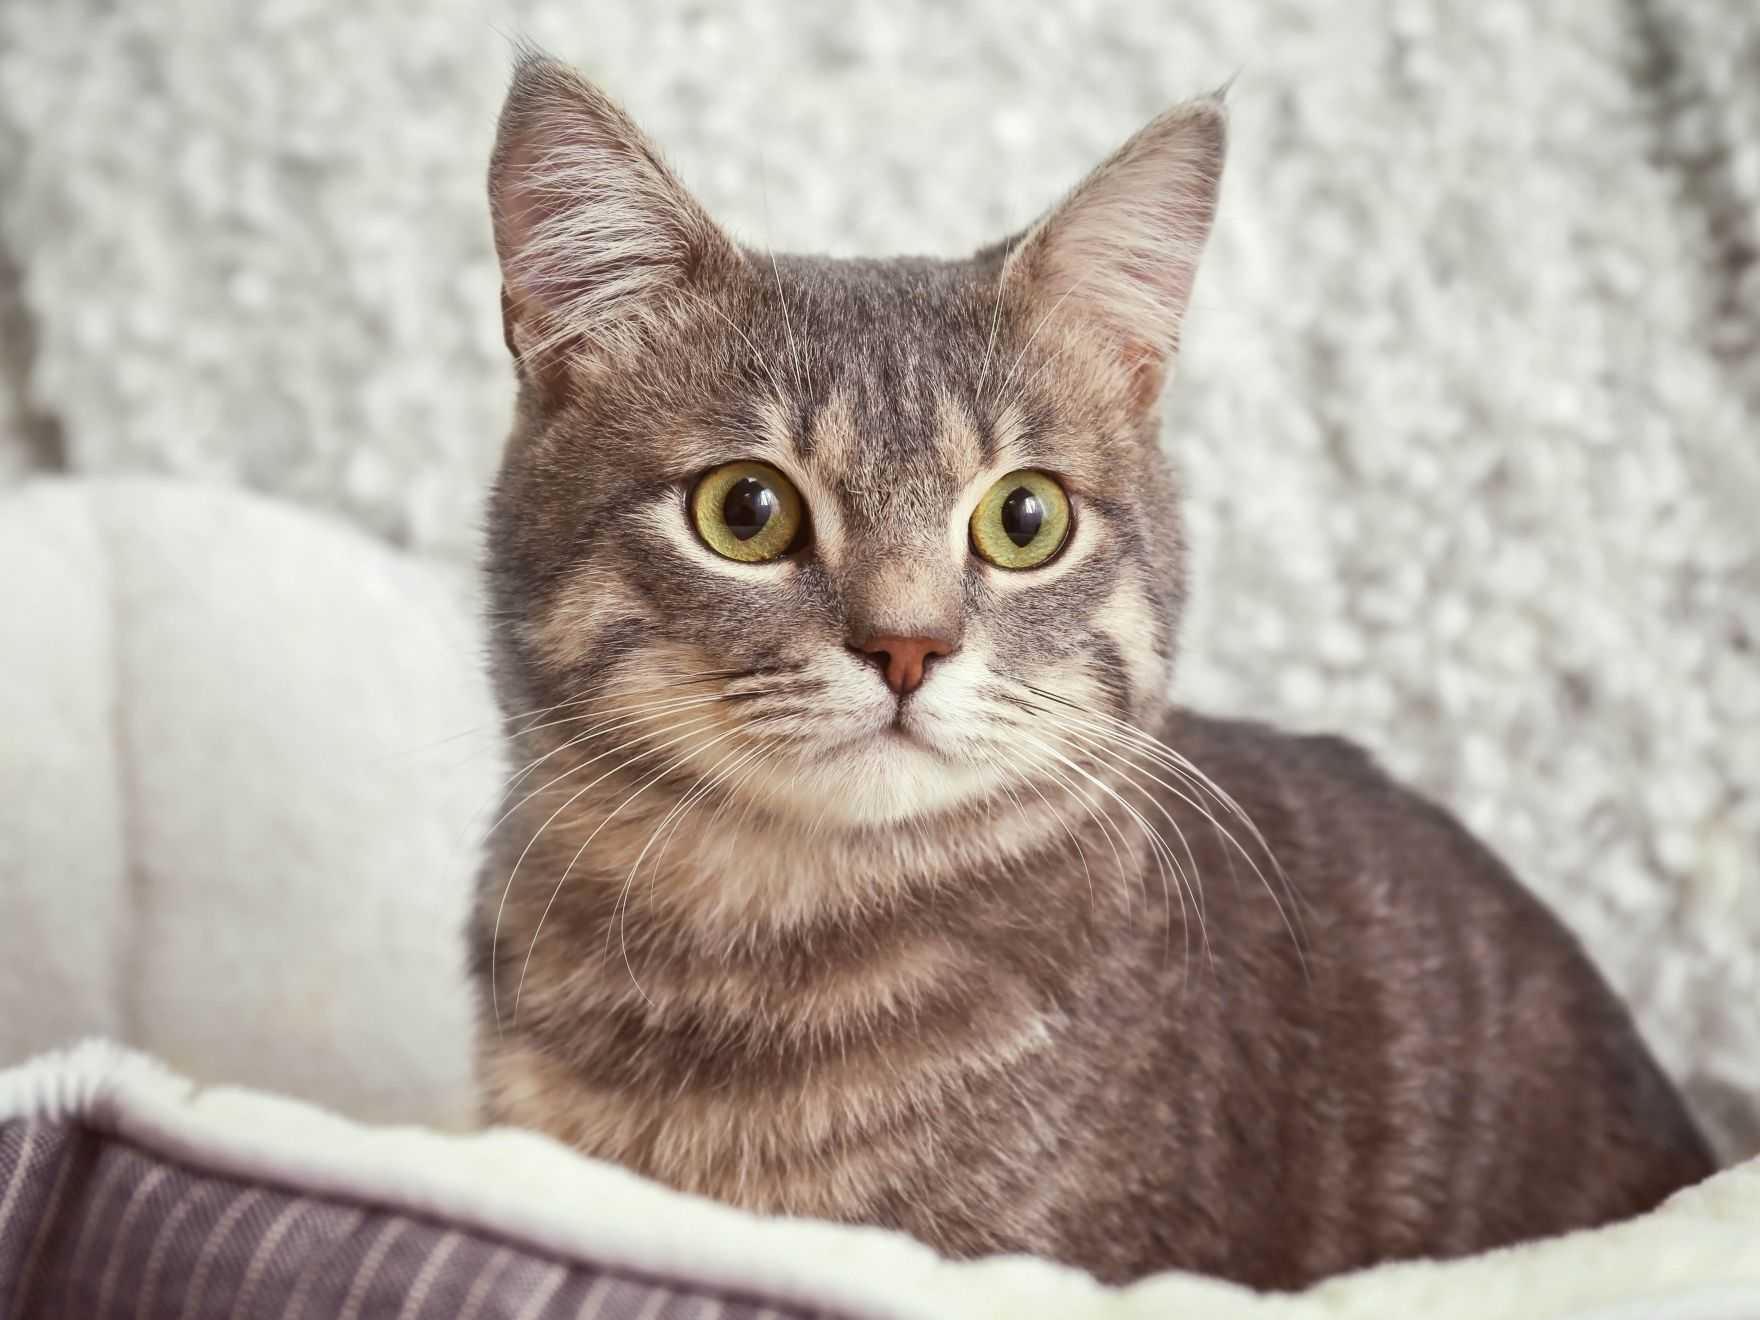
column 1470, row 409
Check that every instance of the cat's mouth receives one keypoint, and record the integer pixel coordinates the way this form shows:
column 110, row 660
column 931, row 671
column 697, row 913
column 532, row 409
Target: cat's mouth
column 899, row 735
column 896, row 736
column 891, row 761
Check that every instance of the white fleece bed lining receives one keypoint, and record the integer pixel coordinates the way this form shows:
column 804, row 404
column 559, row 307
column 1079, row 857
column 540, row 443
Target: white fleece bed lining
column 1696, row 1259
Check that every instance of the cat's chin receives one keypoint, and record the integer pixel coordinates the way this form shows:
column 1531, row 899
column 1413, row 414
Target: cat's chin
column 883, row 778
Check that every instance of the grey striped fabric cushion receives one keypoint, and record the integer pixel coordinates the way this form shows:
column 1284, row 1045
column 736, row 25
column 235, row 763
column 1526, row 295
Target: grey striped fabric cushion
column 92, row 1226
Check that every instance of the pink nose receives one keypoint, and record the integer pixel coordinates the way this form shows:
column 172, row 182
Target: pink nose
column 903, row 659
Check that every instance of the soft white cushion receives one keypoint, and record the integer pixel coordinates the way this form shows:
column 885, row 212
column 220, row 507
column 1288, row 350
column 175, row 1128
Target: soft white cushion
column 227, row 834
column 1695, row 1258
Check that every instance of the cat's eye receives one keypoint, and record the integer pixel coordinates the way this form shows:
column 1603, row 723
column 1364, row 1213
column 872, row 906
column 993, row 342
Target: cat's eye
column 747, row 511
column 1022, row 520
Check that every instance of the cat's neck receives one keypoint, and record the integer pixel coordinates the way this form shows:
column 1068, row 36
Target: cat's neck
column 714, row 1007
column 717, row 866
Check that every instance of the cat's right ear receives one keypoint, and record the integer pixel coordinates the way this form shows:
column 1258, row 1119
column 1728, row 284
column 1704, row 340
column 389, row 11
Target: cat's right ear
column 601, row 246
column 1119, row 254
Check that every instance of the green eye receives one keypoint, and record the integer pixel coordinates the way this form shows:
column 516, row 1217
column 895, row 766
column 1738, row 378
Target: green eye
column 1021, row 521
column 747, row 511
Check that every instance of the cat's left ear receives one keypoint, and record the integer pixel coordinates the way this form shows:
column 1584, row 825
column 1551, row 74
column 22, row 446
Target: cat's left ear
column 603, row 251
column 1119, row 254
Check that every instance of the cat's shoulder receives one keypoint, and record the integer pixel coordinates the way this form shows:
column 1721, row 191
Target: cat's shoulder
column 1331, row 797
column 1255, row 751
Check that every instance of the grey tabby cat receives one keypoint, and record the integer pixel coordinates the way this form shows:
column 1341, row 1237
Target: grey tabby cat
column 857, row 865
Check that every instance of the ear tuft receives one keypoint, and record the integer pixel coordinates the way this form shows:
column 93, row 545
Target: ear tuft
column 599, row 242
column 1121, row 251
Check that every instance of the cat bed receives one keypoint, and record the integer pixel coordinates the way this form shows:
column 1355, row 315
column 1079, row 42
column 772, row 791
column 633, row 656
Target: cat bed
column 242, row 755
column 127, row 1190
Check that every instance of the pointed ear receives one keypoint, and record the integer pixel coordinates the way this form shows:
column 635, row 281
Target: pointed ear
column 599, row 242
column 1120, row 253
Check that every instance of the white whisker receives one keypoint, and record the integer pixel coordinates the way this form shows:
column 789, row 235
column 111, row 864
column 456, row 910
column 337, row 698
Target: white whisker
column 1159, row 849
column 495, row 935
column 1043, row 322
column 568, row 870
column 1146, row 745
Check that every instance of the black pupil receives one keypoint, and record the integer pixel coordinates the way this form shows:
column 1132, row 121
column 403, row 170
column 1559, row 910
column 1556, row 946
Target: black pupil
column 1022, row 515
column 748, row 506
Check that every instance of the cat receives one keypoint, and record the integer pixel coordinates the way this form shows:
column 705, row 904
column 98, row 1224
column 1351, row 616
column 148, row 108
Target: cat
column 857, row 865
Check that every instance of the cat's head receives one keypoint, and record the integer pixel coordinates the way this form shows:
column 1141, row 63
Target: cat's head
column 859, row 540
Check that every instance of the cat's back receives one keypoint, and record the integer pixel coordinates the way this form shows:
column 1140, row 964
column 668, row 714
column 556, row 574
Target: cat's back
column 1451, row 1070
